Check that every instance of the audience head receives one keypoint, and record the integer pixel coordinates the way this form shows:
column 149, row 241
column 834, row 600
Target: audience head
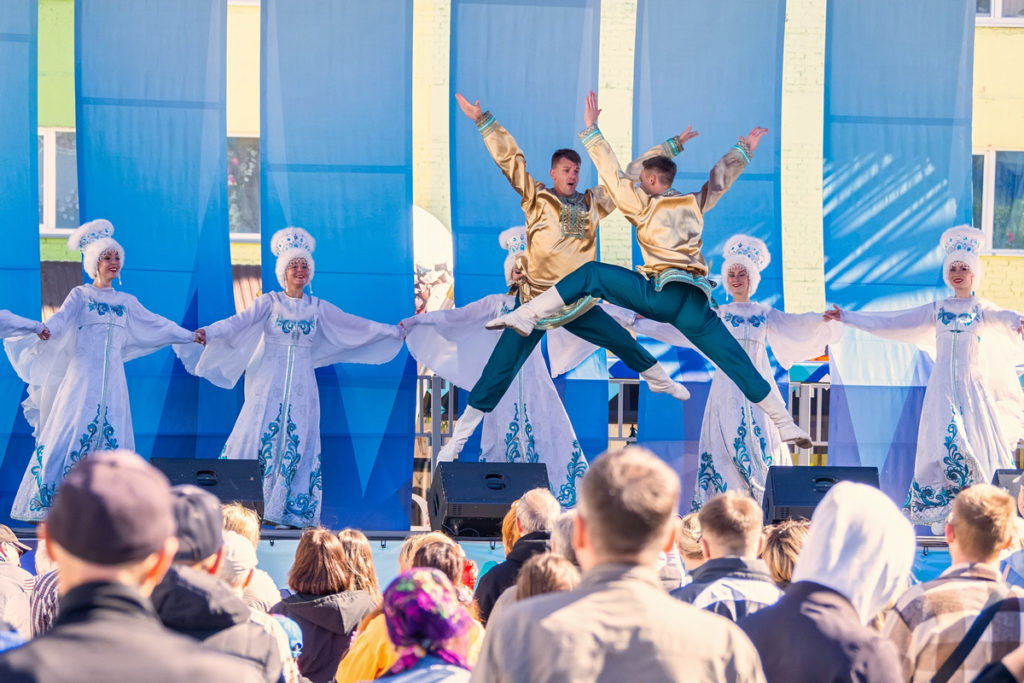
column 781, row 548
column 200, row 526
column 980, row 524
column 444, row 555
column 688, row 542
column 405, row 553
column 11, row 549
column 561, row 537
column 730, row 525
column 239, row 561
column 860, row 545
column 546, row 573
column 242, row 520
column 359, row 562
column 111, row 521
column 319, row 567
column 536, row 511
column 509, row 530
column 423, row 616
column 627, row 499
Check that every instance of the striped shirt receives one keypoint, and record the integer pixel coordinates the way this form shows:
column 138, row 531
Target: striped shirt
column 43, row 603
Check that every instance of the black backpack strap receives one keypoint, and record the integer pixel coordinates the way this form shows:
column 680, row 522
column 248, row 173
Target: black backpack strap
column 981, row 622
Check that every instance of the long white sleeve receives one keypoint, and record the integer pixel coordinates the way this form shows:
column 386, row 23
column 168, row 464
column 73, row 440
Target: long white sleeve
column 913, row 325
column 794, row 337
column 230, row 345
column 146, row 332
column 346, row 338
column 13, row 325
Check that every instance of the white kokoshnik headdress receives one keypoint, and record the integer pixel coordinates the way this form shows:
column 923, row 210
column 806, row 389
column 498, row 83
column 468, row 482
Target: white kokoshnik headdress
column 962, row 243
column 289, row 244
column 513, row 241
column 94, row 239
column 749, row 252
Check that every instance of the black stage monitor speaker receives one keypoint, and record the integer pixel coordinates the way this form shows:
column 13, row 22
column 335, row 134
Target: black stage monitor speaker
column 794, row 492
column 1008, row 479
column 469, row 499
column 229, row 480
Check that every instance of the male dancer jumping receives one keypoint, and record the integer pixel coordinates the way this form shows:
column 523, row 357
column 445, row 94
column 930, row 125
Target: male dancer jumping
column 672, row 285
column 561, row 235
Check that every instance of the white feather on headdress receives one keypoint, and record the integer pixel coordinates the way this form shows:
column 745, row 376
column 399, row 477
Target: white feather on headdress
column 751, row 253
column 964, row 244
column 94, row 239
column 513, row 241
column 288, row 244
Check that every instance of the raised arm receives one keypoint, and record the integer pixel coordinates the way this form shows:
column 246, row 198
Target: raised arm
column 503, row 149
column 728, row 168
column 670, row 148
column 630, row 201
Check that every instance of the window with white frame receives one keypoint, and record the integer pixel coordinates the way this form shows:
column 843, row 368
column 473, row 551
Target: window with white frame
column 999, row 12
column 244, row 186
column 58, row 181
column 998, row 182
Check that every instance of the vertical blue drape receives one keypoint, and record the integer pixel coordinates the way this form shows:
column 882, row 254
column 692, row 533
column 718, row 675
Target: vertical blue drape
column 19, row 214
column 152, row 158
column 531, row 63
column 897, row 172
column 718, row 67
column 336, row 146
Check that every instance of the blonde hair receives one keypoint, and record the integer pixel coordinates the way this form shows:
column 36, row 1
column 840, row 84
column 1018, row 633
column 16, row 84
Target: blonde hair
column 781, row 548
column 546, row 573
column 359, row 563
column 413, row 543
column 242, row 520
column 732, row 522
column 982, row 520
column 688, row 537
column 509, row 530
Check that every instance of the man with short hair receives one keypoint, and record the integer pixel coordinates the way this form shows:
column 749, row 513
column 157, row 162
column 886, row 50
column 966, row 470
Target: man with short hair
column 193, row 601
column 732, row 582
column 535, row 516
column 619, row 624
column 561, row 235
column 111, row 533
column 931, row 619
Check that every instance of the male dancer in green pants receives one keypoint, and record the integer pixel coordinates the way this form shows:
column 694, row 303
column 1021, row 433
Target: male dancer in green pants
column 672, row 285
column 561, row 235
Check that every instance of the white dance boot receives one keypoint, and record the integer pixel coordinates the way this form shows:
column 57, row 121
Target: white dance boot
column 776, row 410
column 525, row 318
column 658, row 380
column 462, row 430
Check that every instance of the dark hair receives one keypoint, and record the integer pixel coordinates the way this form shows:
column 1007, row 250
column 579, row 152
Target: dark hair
column 565, row 153
column 319, row 567
column 664, row 167
column 446, row 557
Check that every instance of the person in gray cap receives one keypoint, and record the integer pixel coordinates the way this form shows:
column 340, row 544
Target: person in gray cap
column 193, row 601
column 111, row 533
column 15, row 584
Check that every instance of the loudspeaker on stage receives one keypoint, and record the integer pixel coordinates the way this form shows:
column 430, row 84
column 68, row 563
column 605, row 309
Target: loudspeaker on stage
column 794, row 492
column 470, row 499
column 230, row 480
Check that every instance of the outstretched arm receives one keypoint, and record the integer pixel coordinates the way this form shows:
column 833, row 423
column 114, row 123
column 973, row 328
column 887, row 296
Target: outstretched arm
column 728, row 168
column 630, row 201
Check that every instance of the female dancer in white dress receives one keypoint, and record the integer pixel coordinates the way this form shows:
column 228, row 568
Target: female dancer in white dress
column 278, row 342
column 973, row 411
column 77, row 396
column 529, row 424
column 738, row 443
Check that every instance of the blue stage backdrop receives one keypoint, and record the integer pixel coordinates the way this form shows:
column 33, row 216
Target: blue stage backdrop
column 19, row 214
column 897, row 172
column 685, row 74
column 336, row 148
column 152, row 158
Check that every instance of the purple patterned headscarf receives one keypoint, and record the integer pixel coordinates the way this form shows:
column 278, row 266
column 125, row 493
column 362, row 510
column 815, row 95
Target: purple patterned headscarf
column 422, row 613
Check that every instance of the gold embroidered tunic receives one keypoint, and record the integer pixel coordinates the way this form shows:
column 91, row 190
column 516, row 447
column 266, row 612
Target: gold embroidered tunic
column 669, row 225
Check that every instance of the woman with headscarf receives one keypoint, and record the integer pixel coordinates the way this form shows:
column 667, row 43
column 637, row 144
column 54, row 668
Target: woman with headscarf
column 278, row 342
column 78, row 395
column 973, row 410
column 426, row 624
column 855, row 563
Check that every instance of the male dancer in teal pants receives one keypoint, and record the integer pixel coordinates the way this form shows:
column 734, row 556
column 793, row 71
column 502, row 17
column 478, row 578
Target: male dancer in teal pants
column 672, row 285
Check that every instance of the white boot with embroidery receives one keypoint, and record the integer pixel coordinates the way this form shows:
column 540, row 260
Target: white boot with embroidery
column 526, row 317
column 461, row 432
column 776, row 410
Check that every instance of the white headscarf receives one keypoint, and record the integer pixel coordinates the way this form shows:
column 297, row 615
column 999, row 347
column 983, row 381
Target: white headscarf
column 749, row 252
column 962, row 244
column 860, row 546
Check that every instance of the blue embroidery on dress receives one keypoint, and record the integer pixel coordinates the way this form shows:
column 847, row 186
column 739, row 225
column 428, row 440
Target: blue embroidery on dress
column 921, row 498
column 964, row 319
column 576, row 468
column 102, row 308
column 107, row 441
column 267, row 443
column 741, row 457
column 737, row 320
column 43, row 499
column 304, row 505
column 512, row 452
column 708, row 479
column 287, row 324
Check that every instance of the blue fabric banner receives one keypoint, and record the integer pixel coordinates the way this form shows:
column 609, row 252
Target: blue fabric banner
column 19, row 214
column 897, row 172
column 531, row 63
column 336, row 148
column 152, row 158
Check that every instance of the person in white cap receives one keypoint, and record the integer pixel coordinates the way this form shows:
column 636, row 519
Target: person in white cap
column 278, row 342
column 77, row 395
column 973, row 410
column 529, row 424
column 738, row 442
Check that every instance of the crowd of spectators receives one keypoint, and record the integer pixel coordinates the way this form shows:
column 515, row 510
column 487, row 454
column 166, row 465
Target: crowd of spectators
column 138, row 580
